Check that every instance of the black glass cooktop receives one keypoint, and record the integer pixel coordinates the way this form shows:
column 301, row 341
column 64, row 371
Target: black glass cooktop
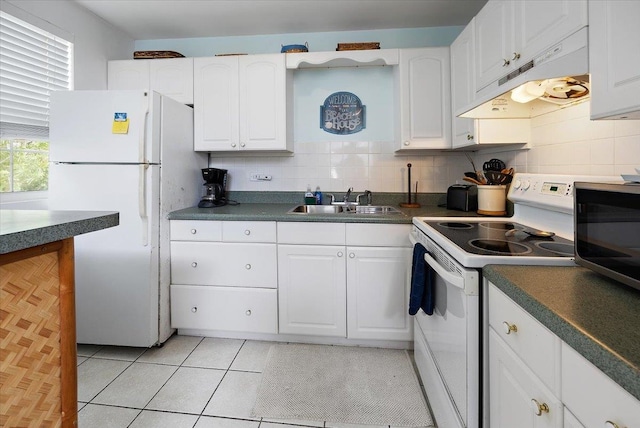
column 502, row 238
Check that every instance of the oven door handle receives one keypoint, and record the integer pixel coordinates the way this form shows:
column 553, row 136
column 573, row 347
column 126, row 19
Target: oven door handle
column 450, row 278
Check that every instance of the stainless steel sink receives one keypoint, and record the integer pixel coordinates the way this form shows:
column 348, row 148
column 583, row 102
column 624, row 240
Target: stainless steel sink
column 337, row 209
column 316, row 209
column 376, row 209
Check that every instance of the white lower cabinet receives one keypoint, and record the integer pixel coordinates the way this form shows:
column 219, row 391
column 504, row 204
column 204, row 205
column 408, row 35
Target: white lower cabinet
column 517, row 397
column 224, row 276
column 312, row 290
column 595, row 399
column 377, row 298
column 330, row 288
column 532, row 371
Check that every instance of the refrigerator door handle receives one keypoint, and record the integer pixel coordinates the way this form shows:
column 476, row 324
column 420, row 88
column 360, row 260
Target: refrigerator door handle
column 142, row 202
column 143, row 135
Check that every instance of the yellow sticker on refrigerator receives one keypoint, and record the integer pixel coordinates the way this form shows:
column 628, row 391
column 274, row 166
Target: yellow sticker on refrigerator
column 120, row 123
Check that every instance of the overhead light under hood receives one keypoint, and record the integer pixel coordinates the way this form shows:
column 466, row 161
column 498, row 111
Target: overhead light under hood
column 561, row 91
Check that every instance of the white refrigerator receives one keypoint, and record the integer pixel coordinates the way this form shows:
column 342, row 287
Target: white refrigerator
column 131, row 152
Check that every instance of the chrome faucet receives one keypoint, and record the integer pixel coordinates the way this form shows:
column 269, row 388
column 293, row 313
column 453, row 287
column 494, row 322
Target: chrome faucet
column 366, row 193
column 346, row 196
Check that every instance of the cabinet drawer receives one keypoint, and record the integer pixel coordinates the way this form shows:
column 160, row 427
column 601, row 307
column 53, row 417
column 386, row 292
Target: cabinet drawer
column 194, row 230
column 224, row 308
column 538, row 347
column 592, row 396
column 311, row 233
column 378, row 235
column 215, row 263
column 249, row 231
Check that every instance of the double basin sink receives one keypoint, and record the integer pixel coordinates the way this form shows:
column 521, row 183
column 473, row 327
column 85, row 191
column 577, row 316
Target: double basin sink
column 344, row 209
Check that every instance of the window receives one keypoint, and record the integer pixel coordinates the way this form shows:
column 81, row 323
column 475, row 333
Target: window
column 34, row 63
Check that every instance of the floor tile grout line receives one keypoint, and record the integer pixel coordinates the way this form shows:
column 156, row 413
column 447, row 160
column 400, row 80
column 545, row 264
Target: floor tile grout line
column 222, row 379
column 112, row 380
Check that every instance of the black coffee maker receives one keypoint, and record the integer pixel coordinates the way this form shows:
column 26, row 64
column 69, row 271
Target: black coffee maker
column 215, row 183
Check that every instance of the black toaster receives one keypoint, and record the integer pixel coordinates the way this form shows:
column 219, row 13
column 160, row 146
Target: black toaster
column 462, row 197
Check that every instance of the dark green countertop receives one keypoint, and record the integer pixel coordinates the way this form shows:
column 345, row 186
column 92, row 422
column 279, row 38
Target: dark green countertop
column 20, row 229
column 596, row 316
column 278, row 212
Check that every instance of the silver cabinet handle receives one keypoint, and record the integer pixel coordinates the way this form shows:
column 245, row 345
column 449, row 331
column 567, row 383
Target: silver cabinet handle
column 233, row 144
column 247, row 266
column 351, row 255
column 242, row 144
column 340, row 254
column 193, row 231
column 610, row 424
column 516, row 56
column 194, row 264
column 538, row 408
column 406, row 143
column 247, row 232
column 506, row 62
column 469, row 137
column 509, row 328
column 248, row 313
column 194, row 309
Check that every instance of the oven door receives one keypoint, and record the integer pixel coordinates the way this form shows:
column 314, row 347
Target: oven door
column 452, row 336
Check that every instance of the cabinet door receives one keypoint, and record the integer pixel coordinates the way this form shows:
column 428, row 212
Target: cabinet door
column 513, row 389
column 312, row 290
column 263, row 102
column 540, row 24
column 215, row 103
column 378, row 293
column 128, row 74
column 463, row 85
column 425, row 99
column 173, row 77
column 495, row 43
column 614, row 59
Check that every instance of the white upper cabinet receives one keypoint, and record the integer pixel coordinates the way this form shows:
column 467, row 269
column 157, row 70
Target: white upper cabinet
column 172, row 77
column 614, row 59
column 476, row 133
column 510, row 33
column 424, row 99
column 241, row 103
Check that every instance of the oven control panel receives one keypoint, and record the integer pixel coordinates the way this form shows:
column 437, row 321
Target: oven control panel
column 550, row 191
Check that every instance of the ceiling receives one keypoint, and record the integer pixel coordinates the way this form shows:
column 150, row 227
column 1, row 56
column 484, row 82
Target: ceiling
column 165, row 19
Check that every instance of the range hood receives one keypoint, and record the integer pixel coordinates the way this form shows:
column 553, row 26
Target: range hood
column 554, row 79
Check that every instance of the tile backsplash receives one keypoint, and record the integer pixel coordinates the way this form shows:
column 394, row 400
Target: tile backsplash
column 563, row 142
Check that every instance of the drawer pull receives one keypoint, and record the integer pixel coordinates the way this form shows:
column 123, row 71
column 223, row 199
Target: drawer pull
column 193, row 231
column 194, row 264
column 610, row 424
column 248, row 313
column 351, row 255
column 194, row 309
column 340, row 254
column 509, row 328
column 247, row 232
column 506, row 62
column 247, row 266
column 538, row 408
column 516, row 56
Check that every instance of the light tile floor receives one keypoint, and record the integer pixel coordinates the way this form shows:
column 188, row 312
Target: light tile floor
column 190, row 382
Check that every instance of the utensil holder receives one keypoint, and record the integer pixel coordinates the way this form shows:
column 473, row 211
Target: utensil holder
column 492, row 200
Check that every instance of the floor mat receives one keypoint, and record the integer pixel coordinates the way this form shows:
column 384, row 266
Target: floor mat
column 370, row 386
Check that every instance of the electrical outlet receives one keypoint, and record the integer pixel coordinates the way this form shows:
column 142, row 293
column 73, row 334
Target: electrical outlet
column 259, row 177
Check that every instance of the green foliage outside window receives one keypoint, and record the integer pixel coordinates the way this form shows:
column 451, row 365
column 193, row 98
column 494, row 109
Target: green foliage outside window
column 24, row 165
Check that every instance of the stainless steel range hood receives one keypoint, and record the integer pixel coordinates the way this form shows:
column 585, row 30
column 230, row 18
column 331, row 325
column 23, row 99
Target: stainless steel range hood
column 554, row 79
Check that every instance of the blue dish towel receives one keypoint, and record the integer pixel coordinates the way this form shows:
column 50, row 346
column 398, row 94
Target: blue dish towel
column 421, row 295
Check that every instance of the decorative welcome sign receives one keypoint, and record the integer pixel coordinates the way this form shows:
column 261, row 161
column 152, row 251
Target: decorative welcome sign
column 342, row 113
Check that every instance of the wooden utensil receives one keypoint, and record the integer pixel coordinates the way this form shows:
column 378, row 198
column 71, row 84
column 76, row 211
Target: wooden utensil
column 472, row 180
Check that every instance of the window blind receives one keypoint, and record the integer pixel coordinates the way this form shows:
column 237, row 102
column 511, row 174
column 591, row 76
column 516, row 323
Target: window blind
column 34, row 63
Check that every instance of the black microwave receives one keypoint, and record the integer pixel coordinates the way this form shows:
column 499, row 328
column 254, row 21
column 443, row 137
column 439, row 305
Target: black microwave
column 607, row 229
